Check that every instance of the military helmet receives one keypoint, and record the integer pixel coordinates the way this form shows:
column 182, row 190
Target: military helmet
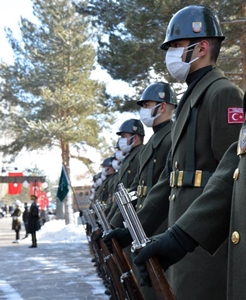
column 108, row 162
column 191, row 22
column 132, row 126
column 159, row 92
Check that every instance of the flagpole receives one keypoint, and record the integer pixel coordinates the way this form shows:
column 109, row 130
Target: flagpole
column 69, row 183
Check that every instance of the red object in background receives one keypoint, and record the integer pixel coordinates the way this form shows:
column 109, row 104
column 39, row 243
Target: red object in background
column 35, row 188
column 15, row 188
column 43, row 200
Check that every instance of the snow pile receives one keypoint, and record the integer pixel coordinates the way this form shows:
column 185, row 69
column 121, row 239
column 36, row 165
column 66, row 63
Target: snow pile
column 58, row 231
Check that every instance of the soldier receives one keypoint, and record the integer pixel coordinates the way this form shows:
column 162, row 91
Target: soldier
column 219, row 211
column 207, row 121
column 105, row 191
column 25, row 219
column 131, row 142
column 33, row 220
column 157, row 103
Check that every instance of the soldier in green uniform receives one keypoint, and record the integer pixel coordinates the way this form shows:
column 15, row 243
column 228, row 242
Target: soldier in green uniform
column 105, row 190
column 218, row 214
column 207, row 122
column 157, row 103
column 131, row 141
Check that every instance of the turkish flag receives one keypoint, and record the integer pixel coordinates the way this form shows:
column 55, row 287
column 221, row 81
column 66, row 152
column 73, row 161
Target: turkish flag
column 15, row 188
column 43, row 200
column 35, row 188
column 235, row 115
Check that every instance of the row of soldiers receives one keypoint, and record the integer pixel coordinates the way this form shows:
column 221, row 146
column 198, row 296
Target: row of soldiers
column 189, row 177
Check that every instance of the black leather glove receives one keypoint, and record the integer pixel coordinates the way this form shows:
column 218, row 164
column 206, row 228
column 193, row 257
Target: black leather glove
column 169, row 247
column 80, row 213
column 121, row 234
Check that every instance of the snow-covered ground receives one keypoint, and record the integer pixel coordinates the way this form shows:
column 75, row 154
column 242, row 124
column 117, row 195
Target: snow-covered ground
column 60, row 267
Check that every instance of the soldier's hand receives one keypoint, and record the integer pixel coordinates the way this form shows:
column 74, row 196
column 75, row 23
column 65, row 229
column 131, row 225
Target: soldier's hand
column 121, row 234
column 97, row 238
column 169, row 247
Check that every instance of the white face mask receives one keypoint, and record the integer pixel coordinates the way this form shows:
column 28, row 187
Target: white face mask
column 176, row 67
column 32, row 201
column 116, row 164
column 120, row 155
column 146, row 115
column 99, row 181
column 123, row 144
column 103, row 177
column 104, row 171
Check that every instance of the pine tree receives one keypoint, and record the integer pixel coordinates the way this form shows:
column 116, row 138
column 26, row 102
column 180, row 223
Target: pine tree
column 48, row 98
column 134, row 30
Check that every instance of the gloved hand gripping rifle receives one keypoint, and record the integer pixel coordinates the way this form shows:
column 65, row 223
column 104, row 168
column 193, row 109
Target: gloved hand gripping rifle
column 158, row 279
column 127, row 278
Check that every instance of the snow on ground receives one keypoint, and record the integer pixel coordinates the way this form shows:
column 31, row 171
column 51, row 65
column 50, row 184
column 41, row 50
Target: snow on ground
column 57, row 231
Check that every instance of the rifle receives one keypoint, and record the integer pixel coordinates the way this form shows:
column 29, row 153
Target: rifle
column 158, row 279
column 107, row 258
column 89, row 231
column 127, row 278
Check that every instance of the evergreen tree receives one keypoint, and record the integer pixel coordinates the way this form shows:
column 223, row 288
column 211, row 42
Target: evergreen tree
column 47, row 96
column 134, row 29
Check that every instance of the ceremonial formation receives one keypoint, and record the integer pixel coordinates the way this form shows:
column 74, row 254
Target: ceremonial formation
column 163, row 221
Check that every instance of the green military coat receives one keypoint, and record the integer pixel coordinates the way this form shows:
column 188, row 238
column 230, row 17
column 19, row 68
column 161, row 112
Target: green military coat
column 152, row 161
column 126, row 175
column 219, row 211
column 110, row 190
column 198, row 275
column 104, row 191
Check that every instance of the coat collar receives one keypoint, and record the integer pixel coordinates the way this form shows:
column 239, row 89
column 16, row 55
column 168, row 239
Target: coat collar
column 191, row 101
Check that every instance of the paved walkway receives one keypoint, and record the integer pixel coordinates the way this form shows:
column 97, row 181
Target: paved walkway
column 51, row 271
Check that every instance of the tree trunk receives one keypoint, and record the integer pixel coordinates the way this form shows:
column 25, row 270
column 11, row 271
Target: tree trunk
column 68, row 200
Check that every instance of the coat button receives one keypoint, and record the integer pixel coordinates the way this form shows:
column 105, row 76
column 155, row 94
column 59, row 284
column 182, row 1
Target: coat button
column 176, row 165
column 140, row 206
column 154, row 161
column 236, row 174
column 172, row 198
column 129, row 171
column 235, row 237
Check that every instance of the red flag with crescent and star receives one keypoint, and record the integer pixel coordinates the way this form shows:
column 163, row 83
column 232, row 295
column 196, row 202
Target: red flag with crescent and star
column 15, row 188
column 235, row 115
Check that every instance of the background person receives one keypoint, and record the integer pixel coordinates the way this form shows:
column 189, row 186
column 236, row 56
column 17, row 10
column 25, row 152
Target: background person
column 25, row 219
column 16, row 221
column 33, row 220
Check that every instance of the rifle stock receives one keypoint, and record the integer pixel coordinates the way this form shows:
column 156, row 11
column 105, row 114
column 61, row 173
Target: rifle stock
column 127, row 277
column 159, row 280
column 114, row 271
column 157, row 276
column 106, row 258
